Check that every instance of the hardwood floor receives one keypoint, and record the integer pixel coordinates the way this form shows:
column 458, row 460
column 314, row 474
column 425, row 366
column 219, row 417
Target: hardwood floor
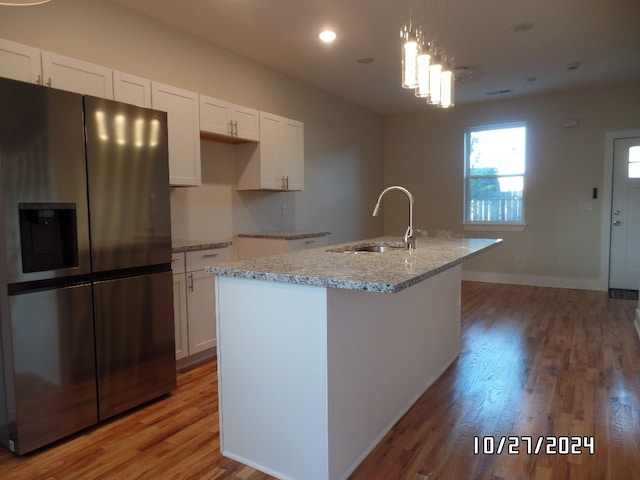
column 535, row 362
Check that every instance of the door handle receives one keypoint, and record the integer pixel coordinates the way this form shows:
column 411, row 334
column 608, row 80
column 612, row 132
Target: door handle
column 616, row 212
column 617, row 223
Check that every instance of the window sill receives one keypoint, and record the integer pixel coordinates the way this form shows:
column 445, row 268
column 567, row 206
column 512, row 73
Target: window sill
column 494, row 227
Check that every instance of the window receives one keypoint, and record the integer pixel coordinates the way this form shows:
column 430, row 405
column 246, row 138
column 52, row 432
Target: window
column 634, row 162
column 494, row 175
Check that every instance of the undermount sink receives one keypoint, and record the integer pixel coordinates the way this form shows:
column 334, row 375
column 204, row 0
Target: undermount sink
column 369, row 248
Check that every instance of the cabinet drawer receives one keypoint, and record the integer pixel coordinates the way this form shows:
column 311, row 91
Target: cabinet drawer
column 177, row 263
column 199, row 259
column 302, row 243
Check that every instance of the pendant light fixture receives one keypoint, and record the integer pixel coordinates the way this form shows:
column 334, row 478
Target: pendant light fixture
column 446, row 84
column 424, row 61
column 410, row 47
column 426, row 68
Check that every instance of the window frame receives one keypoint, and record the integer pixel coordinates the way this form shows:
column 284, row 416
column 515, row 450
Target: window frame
column 495, row 225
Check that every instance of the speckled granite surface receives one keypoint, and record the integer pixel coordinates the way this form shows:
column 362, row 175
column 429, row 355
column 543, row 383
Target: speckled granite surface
column 194, row 245
column 284, row 235
column 377, row 272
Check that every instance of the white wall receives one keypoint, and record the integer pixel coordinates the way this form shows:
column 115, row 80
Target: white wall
column 343, row 142
column 562, row 244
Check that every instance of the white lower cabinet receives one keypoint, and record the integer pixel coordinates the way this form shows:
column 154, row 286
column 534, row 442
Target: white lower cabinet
column 180, row 313
column 194, row 304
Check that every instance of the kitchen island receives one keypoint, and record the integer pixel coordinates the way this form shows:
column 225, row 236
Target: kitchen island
column 320, row 352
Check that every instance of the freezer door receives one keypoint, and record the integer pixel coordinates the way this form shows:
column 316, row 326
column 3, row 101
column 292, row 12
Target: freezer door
column 135, row 341
column 43, row 182
column 128, row 172
column 54, row 366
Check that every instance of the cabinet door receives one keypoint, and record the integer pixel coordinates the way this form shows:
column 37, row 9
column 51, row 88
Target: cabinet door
column 246, row 123
column 215, row 116
column 304, row 243
column 77, row 76
column 278, row 161
column 202, row 311
column 183, row 120
column 131, row 89
column 293, row 153
column 180, row 318
column 271, row 171
column 20, row 62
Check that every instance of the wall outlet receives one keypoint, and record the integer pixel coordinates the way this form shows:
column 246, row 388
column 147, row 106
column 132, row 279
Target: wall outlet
column 283, row 210
column 561, row 262
column 585, row 206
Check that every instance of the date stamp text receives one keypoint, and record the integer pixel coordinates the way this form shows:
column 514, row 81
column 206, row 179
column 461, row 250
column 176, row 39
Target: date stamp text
column 526, row 445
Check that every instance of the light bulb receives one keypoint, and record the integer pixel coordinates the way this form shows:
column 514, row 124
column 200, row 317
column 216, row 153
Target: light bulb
column 424, row 60
column 446, row 89
column 434, row 83
column 409, row 37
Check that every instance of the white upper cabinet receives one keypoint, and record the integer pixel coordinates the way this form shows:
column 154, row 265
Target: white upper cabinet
column 131, row 89
column 183, row 120
column 293, row 153
column 277, row 162
column 73, row 75
column 228, row 120
column 20, row 62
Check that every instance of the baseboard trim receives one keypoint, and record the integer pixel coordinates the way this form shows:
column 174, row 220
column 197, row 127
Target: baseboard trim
column 535, row 280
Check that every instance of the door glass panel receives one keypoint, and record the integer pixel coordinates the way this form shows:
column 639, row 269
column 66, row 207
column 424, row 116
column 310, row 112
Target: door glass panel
column 634, row 162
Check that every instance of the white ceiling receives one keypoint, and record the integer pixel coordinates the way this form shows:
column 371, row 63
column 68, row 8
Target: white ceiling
column 602, row 36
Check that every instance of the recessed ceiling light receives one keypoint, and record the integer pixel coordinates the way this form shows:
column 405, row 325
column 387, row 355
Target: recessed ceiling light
column 327, row 36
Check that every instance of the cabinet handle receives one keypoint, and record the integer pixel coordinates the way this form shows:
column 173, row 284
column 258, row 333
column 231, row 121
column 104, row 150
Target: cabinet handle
column 235, row 125
column 39, row 80
column 287, row 183
column 191, row 282
column 230, row 129
column 210, row 255
column 49, row 82
column 309, row 242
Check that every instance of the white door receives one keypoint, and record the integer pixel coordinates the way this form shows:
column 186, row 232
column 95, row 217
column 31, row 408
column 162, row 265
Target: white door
column 624, row 266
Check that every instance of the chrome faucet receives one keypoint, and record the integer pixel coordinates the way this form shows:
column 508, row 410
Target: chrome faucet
column 409, row 238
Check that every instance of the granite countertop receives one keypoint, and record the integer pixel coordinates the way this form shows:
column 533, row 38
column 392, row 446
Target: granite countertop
column 284, row 235
column 180, row 246
column 377, row 272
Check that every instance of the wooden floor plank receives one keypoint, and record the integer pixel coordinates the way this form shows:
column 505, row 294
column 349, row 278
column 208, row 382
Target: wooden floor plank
column 534, row 362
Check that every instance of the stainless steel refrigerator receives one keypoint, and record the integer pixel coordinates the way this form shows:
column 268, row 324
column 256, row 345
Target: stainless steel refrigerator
column 86, row 312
